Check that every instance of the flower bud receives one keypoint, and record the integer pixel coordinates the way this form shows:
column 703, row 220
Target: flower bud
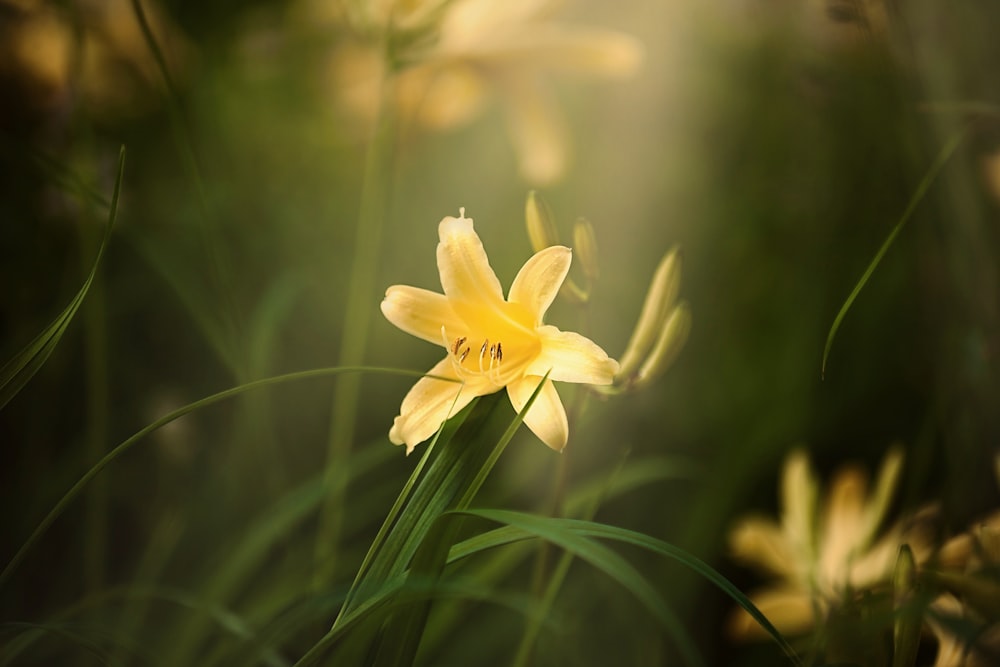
column 906, row 629
column 672, row 337
column 585, row 249
column 541, row 225
column 659, row 299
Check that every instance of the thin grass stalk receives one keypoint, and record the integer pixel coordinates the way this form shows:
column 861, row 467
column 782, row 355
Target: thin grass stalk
column 925, row 183
column 219, row 265
column 357, row 323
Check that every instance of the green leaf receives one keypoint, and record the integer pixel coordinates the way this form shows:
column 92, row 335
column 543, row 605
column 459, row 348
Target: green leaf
column 554, row 529
column 22, row 367
column 77, row 488
column 406, row 628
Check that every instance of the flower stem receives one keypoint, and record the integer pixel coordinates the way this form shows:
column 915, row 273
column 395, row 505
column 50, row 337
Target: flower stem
column 361, row 285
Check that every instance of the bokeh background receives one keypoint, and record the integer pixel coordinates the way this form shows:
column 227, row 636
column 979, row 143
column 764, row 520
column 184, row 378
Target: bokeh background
column 778, row 143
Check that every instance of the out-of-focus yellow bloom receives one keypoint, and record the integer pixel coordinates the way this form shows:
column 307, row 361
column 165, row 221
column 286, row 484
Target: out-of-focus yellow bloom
column 480, row 48
column 822, row 559
column 490, row 342
column 93, row 47
column 967, row 567
column 982, row 650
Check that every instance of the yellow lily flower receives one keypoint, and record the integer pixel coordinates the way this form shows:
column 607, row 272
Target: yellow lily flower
column 823, row 555
column 490, row 342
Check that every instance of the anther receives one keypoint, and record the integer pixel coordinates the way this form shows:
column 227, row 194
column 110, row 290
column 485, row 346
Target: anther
column 464, row 354
column 499, row 353
column 458, row 344
column 482, row 350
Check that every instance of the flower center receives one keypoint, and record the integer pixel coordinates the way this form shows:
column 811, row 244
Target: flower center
column 485, row 358
column 469, row 363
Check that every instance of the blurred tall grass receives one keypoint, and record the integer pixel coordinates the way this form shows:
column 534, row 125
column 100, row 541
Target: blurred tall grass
column 777, row 143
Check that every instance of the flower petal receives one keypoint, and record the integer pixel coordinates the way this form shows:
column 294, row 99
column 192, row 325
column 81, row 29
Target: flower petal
column 466, row 275
column 429, row 403
column 546, row 418
column 569, row 357
column 420, row 312
column 539, row 280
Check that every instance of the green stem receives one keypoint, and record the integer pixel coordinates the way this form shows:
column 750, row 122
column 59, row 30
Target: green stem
column 357, row 322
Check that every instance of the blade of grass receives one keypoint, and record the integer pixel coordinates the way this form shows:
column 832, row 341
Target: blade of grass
column 398, row 594
column 375, row 551
column 75, row 490
column 406, row 628
column 225, row 619
column 582, row 501
column 219, row 267
column 549, row 528
column 22, row 367
column 521, row 526
column 250, row 553
column 925, row 183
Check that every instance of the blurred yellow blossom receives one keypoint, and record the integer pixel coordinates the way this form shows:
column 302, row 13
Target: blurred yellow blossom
column 822, row 556
column 478, row 48
column 967, row 569
column 491, row 343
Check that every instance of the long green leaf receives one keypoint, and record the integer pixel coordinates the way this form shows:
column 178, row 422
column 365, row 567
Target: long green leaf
column 569, row 535
column 22, row 367
column 550, row 528
column 582, row 502
column 401, row 593
column 75, row 490
column 918, row 195
column 406, row 629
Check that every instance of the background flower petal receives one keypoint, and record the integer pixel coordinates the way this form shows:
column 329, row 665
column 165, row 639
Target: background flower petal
column 569, row 357
column 759, row 542
column 421, row 313
column 790, row 610
column 547, row 417
column 465, row 269
column 539, row 280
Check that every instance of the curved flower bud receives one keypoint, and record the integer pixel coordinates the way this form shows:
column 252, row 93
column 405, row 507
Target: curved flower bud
column 661, row 330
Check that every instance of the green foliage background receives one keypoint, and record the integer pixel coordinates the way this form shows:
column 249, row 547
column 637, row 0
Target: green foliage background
column 778, row 148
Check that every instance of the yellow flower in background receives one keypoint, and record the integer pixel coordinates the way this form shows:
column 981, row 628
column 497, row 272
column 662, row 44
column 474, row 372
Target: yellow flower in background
column 478, row 49
column 822, row 559
column 490, row 342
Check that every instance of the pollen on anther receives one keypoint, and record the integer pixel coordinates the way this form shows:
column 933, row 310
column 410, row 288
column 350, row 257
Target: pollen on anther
column 464, row 354
column 482, row 350
column 499, row 352
column 458, row 345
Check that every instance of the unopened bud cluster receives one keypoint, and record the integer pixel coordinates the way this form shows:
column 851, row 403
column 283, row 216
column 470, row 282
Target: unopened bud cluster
column 663, row 323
